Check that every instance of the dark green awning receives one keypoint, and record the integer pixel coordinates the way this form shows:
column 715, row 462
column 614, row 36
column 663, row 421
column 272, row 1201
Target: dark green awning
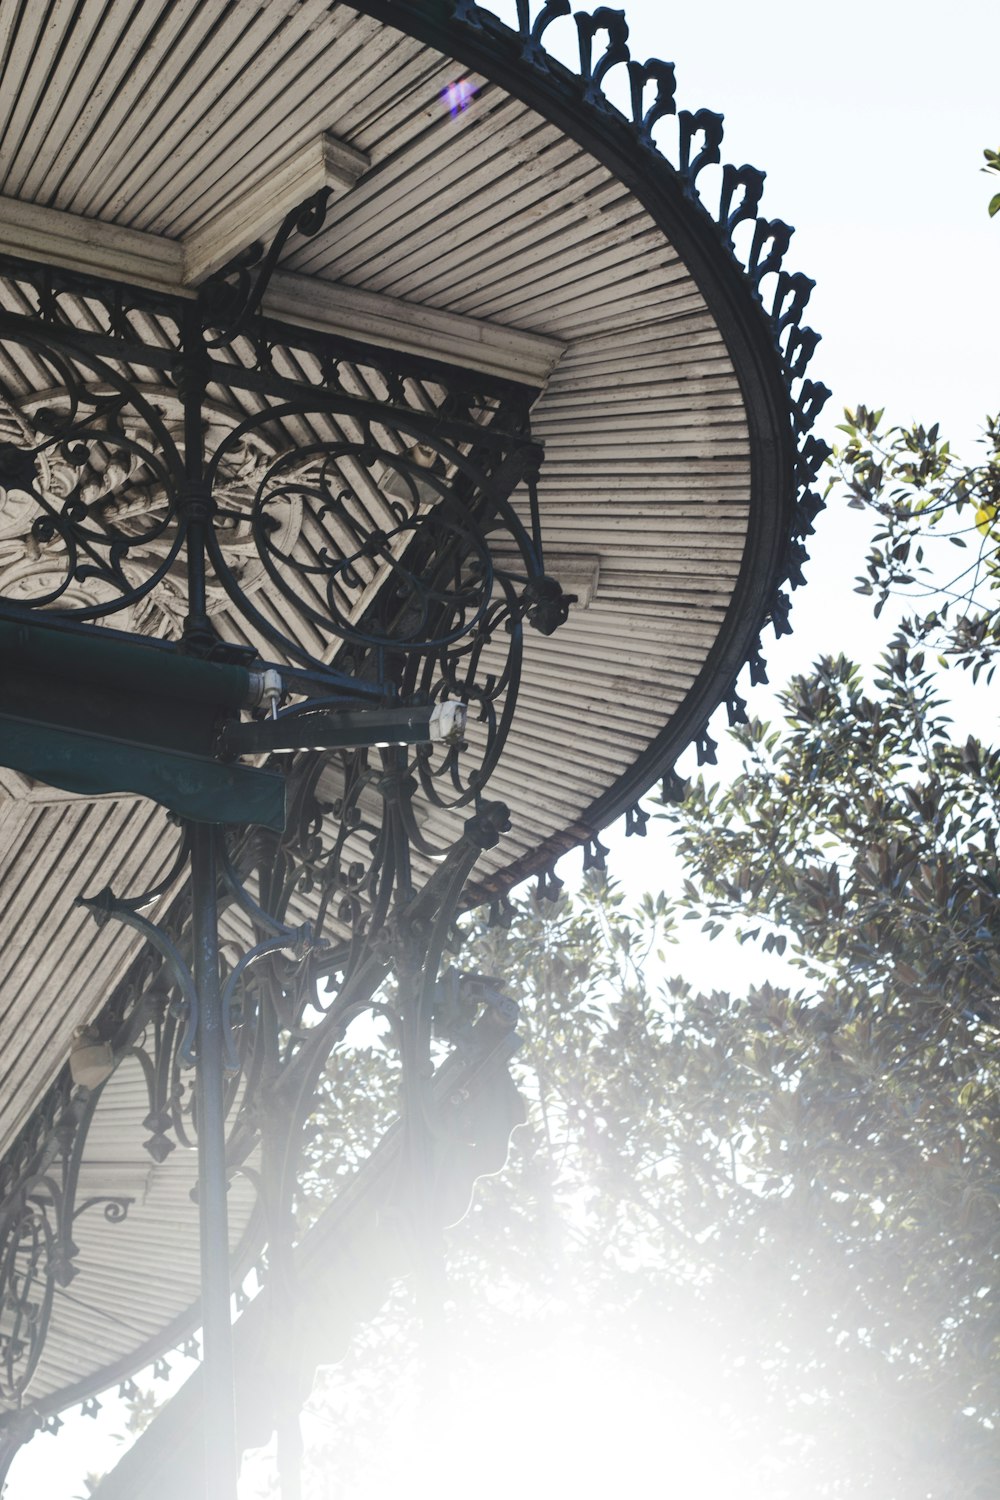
column 193, row 786
column 104, row 659
column 93, row 712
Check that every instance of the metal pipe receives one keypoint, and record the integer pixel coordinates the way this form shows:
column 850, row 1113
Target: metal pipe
column 330, row 729
column 221, row 1459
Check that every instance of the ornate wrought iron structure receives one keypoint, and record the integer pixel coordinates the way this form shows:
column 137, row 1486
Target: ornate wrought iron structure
column 364, row 497
column 360, row 533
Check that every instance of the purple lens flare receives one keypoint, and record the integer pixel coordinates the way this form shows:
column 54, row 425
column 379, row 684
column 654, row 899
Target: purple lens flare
column 458, row 96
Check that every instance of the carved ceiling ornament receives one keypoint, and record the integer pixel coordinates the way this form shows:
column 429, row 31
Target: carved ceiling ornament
column 117, row 495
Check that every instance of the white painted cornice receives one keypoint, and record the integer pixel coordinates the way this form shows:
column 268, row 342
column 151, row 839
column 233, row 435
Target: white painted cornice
column 74, row 243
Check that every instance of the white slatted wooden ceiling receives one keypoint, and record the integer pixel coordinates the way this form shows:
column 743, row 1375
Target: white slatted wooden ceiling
column 107, row 1311
column 485, row 236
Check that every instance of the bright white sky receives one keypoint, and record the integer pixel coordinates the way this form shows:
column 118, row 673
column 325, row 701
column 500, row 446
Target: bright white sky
column 870, row 122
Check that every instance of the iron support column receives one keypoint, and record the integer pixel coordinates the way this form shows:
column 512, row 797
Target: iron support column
column 221, row 1461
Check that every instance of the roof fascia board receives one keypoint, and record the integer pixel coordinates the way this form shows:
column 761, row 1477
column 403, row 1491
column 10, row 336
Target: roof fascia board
column 453, row 338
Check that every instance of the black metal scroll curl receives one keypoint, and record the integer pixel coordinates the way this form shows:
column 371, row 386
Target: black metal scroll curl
column 37, row 1250
column 383, row 538
column 92, row 489
column 229, row 298
column 483, row 671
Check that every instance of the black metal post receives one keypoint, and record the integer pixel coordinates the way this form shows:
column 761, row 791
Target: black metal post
column 219, row 1404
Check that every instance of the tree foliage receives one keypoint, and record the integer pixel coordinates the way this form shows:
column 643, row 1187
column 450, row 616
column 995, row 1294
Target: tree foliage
column 860, row 835
column 923, row 497
column 779, row 1203
column 993, row 165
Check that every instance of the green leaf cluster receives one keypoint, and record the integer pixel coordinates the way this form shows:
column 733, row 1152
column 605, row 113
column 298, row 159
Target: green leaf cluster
column 993, row 165
column 923, row 496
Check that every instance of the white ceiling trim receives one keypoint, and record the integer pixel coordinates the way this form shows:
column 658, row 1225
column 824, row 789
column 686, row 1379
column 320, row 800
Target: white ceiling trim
column 323, row 163
column 75, row 243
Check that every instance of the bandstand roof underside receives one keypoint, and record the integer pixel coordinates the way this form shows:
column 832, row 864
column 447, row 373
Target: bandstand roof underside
column 489, row 213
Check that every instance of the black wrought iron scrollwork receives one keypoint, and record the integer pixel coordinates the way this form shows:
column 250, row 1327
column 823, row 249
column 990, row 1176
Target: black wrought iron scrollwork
column 647, row 117
column 588, row 24
column 229, row 298
column 106, row 906
column 39, row 1206
column 88, row 496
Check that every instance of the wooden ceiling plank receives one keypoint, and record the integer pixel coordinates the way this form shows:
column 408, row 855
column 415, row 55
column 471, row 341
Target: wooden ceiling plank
column 688, row 635
column 536, row 228
column 673, row 446
column 252, row 140
column 220, row 185
column 675, row 300
column 675, row 324
column 165, row 117
column 225, row 103
column 19, row 825
column 382, row 203
column 9, row 19
column 70, row 31
column 93, row 51
column 32, row 55
column 85, row 861
column 641, row 379
column 640, row 408
column 92, row 961
column 562, row 710
column 680, row 337
column 570, row 317
column 516, row 236
column 651, row 355
column 392, row 116
column 552, row 191
column 392, row 85
column 461, row 167
column 607, row 262
column 113, row 116
column 555, row 424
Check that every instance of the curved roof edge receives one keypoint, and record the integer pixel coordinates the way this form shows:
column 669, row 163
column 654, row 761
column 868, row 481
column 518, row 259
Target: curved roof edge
column 757, row 304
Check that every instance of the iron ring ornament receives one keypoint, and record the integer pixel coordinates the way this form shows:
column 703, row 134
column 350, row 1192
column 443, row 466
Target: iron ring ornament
column 349, row 506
